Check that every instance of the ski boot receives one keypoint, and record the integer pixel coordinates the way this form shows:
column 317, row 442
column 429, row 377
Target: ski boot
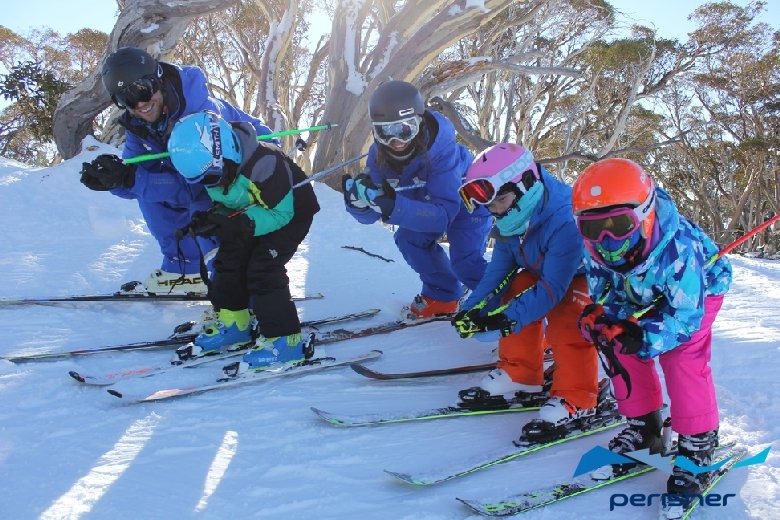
column 423, row 308
column 568, row 418
column 163, row 282
column 642, row 433
column 269, row 352
column 699, row 449
column 497, row 391
column 557, row 411
column 230, row 330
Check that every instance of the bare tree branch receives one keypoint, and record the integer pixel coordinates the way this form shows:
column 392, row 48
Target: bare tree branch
column 154, row 25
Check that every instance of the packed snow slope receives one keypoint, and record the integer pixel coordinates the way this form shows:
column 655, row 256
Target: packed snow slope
column 71, row 451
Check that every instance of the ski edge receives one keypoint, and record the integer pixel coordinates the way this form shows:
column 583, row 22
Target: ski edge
column 466, row 369
column 127, row 297
column 346, row 421
column 505, row 456
column 172, row 341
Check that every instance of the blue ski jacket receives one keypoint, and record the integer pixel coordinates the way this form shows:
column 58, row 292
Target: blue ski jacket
column 433, row 207
column 165, row 199
column 184, row 93
column 551, row 249
column 673, row 282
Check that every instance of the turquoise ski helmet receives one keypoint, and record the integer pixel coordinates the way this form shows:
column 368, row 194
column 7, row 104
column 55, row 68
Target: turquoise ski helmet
column 200, row 143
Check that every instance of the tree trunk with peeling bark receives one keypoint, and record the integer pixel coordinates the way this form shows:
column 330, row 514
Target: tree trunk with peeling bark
column 153, row 25
column 410, row 41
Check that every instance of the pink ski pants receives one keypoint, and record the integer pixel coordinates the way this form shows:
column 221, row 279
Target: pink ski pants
column 694, row 407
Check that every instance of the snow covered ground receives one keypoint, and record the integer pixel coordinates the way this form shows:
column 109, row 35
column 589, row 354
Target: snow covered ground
column 70, row 451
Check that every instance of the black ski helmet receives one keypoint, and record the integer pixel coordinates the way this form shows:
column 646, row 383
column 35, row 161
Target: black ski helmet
column 394, row 100
column 125, row 66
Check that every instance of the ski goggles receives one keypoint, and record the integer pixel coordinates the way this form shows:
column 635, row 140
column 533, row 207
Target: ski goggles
column 484, row 190
column 619, row 223
column 211, row 176
column 403, row 130
column 139, row 91
column 210, row 180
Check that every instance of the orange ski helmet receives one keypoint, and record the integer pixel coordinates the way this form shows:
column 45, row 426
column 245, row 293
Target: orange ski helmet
column 614, row 197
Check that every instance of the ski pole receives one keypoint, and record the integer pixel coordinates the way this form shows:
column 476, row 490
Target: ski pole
column 323, row 173
column 726, row 249
column 162, row 155
column 313, row 178
column 411, row 187
column 487, row 299
column 373, row 193
column 753, row 232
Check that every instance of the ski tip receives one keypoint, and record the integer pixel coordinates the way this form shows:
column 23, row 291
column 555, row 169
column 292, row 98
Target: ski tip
column 362, row 370
column 405, row 477
column 328, row 417
column 78, row 377
column 115, row 393
column 473, row 505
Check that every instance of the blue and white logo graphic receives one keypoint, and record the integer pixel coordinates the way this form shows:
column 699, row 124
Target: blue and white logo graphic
column 599, row 456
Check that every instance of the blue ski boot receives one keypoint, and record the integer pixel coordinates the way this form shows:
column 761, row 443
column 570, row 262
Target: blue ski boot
column 229, row 331
column 268, row 352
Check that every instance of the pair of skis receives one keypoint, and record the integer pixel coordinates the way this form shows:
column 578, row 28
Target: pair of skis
column 607, row 418
column 114, row 377
column 311, row 365
column 181, row 336
column 457, row 410
column 549, row 495
column 286, row 370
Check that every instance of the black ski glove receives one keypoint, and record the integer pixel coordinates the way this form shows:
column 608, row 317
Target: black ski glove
column 625, row 336
column 592, row 321
column 358, row 192
column 469, row 323
column 107, row 172
column 227, row 229
column 631, row 339
column 385, row 202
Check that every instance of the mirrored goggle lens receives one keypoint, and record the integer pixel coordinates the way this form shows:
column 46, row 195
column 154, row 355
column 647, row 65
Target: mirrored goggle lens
column 404, row 130
column 139, row 91
column 478, row 191
column 619, row 225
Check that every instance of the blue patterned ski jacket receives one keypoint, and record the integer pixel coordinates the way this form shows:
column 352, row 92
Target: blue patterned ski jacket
column 674, row 279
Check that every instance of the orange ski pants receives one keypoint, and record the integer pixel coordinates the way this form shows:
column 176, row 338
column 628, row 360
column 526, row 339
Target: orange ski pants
column 521, row 355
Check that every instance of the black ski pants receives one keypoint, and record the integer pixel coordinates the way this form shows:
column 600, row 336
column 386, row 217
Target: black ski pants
column 251, row 273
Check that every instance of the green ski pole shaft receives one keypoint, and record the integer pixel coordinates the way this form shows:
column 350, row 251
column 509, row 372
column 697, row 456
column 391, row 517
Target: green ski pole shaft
column 162, row 155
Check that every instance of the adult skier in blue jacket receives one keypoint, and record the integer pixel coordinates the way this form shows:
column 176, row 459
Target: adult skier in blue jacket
column 155, row 95
column 411, row 180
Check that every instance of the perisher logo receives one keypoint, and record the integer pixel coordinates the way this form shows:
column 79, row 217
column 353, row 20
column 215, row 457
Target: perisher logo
column 599, row 456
